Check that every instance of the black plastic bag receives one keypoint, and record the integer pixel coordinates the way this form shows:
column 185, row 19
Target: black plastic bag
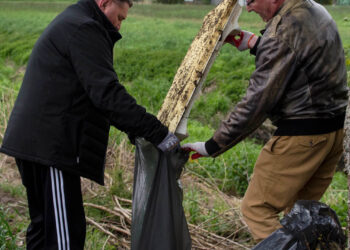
column 309, row 225
column 158, row 219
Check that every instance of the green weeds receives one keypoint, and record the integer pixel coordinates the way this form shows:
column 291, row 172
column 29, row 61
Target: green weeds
column 231, row 171
column 95, row 239
column 120, row 186
column 13, row 224
column 155, row 40
column 7, row 238
column 336, row 197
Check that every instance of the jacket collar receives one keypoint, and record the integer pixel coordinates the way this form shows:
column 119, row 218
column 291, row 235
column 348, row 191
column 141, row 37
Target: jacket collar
column 100, row 17
column 285, row 7
column 290, row 4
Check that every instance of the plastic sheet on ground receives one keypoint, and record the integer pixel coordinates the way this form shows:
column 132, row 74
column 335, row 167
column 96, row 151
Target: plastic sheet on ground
column 158, row 219
column 309, row 225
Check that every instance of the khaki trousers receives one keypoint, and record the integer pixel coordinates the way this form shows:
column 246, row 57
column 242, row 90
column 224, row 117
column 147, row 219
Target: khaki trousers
column 289, row 168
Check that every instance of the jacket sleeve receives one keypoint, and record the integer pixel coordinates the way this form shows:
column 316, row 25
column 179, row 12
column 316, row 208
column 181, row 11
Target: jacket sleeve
column 275, row 64
column 253, row 50
column 91, row 53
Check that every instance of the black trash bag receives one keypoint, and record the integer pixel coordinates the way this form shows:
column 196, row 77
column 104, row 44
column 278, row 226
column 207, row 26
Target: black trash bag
column 158, row 219
column 309, row 225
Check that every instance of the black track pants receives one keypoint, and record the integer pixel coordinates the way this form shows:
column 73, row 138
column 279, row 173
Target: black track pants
column 55, row 208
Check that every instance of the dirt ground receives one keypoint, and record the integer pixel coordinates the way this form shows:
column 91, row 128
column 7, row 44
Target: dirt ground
column 13, row 198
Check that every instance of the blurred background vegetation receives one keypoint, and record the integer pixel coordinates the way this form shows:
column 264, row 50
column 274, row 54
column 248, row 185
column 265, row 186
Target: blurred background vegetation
column 155, row 40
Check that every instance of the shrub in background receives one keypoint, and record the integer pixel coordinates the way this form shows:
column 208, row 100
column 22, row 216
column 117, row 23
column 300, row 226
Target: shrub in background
column 326, row 2
column 169, row 1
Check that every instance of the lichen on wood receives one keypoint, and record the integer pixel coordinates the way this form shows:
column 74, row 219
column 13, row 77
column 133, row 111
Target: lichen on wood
column 193, row 67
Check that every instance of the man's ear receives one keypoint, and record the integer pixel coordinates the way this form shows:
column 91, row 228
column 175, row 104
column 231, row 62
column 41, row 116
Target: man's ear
column 103, row 4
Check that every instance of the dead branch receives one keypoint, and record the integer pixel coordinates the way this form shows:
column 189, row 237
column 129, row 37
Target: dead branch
column 94, row 223
column 201, row 238
column 103, row 209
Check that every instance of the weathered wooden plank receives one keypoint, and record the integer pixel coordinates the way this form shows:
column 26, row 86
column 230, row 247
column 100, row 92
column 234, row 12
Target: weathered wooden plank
column 193, row 70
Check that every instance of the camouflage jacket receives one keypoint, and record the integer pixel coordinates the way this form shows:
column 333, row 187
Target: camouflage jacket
column 300, row 75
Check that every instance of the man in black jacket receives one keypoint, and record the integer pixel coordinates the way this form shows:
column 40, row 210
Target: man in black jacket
column 58, row 129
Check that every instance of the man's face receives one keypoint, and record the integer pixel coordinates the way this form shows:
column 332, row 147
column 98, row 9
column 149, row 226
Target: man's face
column 265, row 8
column 115, row 11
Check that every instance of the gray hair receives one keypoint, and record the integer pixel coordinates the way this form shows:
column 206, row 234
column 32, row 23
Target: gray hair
column 129, row 2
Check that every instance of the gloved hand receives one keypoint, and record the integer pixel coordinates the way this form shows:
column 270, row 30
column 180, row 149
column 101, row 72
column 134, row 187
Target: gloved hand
column 169, row 143
column 198, row 147
column 244, row 40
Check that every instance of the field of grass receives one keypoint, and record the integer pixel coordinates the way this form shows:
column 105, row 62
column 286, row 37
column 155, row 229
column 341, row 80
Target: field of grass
column 155, row 40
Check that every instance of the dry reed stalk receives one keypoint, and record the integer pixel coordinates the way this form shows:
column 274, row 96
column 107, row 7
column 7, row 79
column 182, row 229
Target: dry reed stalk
column 201, row 238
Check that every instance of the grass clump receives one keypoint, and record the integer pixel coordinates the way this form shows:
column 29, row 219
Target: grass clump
column 336, row 197
column 155, row 40
column 7, row 238
column 150, row 65
column 120, row 187
column 231, row 171
column 95, row 239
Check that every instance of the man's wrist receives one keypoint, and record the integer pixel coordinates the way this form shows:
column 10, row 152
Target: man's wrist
column 211, row 146
column 252, row 41
column 254, row 49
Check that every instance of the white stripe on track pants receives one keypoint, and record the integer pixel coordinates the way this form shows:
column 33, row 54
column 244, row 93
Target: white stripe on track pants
column 55, row 207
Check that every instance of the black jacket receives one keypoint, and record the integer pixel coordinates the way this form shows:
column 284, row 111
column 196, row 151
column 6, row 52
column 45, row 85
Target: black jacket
column 70, row 96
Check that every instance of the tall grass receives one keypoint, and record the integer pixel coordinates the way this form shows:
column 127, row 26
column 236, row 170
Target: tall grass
column 231, row 171
column 336, row 197
column 7, row 239
column 155, row 40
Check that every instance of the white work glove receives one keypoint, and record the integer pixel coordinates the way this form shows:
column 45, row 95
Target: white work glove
column 169, row 143
column 198, row 147
column 243, row 41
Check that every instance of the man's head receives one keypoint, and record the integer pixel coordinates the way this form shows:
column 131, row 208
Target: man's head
column 115, row 10
column 265, row 8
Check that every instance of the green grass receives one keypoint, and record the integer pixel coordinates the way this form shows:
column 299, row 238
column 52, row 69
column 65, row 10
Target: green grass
column 95, row 239
column 231, row 171
column 13, row 190
column 12, row 224
column 7, row 238
column 336, row 197
column 155, row 40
